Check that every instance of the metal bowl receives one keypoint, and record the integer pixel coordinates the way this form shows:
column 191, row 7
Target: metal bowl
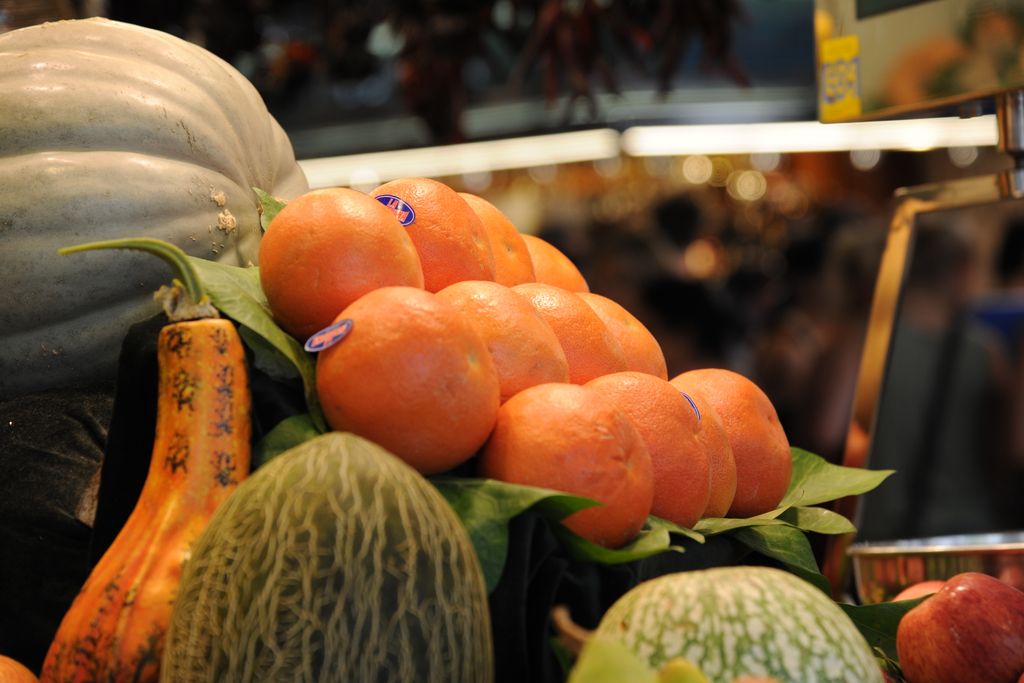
column 883, row 569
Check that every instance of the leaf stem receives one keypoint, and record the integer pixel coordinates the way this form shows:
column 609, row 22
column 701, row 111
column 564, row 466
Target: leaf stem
column 571, row 635
column 190, row 304
column 171, row 254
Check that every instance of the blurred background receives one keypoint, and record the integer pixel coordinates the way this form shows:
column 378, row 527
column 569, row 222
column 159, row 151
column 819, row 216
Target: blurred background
column 756, row 252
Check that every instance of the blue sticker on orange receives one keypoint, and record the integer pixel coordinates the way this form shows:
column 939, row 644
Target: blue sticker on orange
column 329, row 336
column 403, row 211
column 692, row 404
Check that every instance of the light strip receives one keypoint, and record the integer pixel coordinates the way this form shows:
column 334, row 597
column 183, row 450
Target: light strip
column 810, row 136
column 589, row 145
column 472, row 157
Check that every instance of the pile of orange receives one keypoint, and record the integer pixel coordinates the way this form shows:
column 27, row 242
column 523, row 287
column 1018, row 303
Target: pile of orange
column 453, row 339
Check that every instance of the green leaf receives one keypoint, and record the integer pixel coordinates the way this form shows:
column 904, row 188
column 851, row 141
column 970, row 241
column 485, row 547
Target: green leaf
column 606, row 660
column 816, row 481
column 232, row 285
column 784, row 543
column 890, row 666
column 815, row 578
column 817, row 520
column 673, row 528
column 287, row 434
column 236, row 292
column 788, row 545
column 712, row 526
column 267, row 358
column 562, row 505
column 878, row 622
column 486, row 507
column 650, row 541
column 270, row 206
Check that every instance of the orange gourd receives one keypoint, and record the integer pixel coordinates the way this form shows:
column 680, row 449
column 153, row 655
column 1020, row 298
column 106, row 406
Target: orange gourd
column 114, row 630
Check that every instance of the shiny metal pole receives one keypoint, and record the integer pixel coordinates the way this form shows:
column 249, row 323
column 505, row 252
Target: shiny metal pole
column 1010, row 119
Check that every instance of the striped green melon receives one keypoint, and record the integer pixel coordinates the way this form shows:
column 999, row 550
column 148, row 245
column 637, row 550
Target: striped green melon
column 734, row 621
column 335, row 561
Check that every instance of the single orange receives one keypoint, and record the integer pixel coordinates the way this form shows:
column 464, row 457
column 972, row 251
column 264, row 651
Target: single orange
column 551, row 266
column 450, row 239
column 12, row 671
column 512, row 262
column 327, row 248
column 764, row 462
column 589, row 347
column 571, row 438
column 670, row 428
column 524, row 347
column 715, row 442
column 643, row 352
column 413, row 376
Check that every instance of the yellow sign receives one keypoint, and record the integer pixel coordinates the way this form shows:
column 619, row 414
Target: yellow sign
column 839, row 79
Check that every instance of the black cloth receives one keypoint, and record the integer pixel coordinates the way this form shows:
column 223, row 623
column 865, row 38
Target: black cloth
column 51, row 447
column 130, row 441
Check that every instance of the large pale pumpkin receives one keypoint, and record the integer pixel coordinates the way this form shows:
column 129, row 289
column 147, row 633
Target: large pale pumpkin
column 110, row 130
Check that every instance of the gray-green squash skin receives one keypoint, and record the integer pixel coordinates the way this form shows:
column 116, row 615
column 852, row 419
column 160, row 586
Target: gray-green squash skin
column 110, row 130
column 736, row 621
column 335, row 561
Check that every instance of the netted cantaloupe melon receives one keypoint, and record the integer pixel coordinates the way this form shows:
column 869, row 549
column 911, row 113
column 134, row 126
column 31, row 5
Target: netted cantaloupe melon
column 335, row 561
column 742, row 621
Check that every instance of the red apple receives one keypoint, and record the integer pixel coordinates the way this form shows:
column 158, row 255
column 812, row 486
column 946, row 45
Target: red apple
column 972, row 629
column 919, row 589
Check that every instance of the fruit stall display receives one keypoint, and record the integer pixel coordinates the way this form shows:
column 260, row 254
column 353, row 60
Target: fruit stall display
column 393, row 432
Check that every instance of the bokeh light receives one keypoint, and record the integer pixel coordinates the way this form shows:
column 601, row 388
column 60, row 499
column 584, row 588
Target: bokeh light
column 766, row 162
column 865, row 159
column 478, row 181
column 700, row 259
column 746, row 185
column 721, row 169
column 543, row 175
column 697, row 169
column 609, row 168
column 962, row 157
